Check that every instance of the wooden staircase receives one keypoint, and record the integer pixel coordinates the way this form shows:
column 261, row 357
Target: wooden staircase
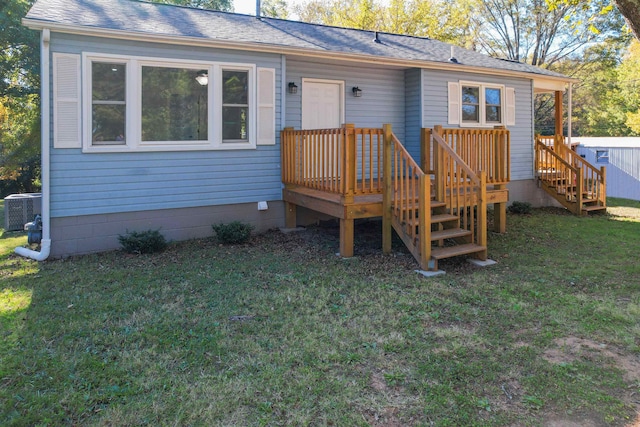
column 437, row 215
column 568, row 178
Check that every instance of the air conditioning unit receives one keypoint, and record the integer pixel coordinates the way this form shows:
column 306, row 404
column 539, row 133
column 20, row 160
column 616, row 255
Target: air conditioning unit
column 20, row 209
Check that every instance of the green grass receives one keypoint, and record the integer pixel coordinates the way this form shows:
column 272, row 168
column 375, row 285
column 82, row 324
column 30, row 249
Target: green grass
column 280, row 331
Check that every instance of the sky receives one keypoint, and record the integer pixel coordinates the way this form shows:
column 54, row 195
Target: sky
column 249, row 6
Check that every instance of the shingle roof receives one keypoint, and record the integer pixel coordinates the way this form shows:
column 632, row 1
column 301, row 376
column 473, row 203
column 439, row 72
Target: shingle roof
column 152, row 19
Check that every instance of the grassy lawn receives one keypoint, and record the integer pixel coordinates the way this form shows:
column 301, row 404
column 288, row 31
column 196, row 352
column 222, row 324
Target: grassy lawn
column 282, row 332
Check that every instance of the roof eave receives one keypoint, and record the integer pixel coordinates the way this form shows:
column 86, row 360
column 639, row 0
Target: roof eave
column 36, row 24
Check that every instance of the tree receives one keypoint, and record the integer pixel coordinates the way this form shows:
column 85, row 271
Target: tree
column 439, row 19
column 19, row 101
column 19, row 51
column 630, row 9
column 530, row 31
column 20, row 151
column 274, row 9
column 629, row 81
column 222, row 5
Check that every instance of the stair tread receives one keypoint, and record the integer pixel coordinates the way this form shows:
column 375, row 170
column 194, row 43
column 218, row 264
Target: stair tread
column 451, row 251
column 593, row 208
column 450, row 233
column 443, row 218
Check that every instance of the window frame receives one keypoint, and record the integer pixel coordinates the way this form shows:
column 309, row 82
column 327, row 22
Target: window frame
column 133, row 98
column 602, row 155
column 482, row 122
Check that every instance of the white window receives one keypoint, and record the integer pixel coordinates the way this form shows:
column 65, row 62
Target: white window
column 108, row 103
column 142, row 104
column 474, row 104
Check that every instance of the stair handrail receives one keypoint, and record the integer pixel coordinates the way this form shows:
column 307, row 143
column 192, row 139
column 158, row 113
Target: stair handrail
column 558, row 174
column 453, row 177
column 561, row 169
column 594, row 179
column 404, row 183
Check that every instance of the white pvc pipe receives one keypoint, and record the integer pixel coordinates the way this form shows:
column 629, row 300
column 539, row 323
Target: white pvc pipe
column 45, row 244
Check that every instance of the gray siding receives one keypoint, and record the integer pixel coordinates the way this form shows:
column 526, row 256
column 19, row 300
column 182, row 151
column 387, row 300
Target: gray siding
column 382, row 98
column 435, row 110
column 623, row 169
column 413, row 112
column 74, row 235
column 98, row 183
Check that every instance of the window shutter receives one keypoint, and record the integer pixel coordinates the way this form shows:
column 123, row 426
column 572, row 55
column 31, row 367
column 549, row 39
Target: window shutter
column 66, row 101
column 454, row 103
column 266, row 106
column 511, row 106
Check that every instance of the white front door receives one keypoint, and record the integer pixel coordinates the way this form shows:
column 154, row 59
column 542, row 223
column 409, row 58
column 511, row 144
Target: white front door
column 322, row 104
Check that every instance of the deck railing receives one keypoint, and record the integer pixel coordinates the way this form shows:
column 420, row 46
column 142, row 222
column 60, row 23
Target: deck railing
column 570, row 174
column 345, row 160
column 485, row 150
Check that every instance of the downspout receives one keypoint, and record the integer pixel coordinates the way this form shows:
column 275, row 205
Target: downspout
column 45, row 244
column 569, row 114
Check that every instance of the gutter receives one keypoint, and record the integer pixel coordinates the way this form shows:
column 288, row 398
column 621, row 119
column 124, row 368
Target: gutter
column 35, row 24
column 45, row 244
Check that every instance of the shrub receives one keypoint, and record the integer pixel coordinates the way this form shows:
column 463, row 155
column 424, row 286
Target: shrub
column 520, row 208
column 142, row 242
column 233, row 232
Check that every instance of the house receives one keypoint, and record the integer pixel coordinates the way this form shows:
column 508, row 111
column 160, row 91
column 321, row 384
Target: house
column 159, row 116
column 621, row 157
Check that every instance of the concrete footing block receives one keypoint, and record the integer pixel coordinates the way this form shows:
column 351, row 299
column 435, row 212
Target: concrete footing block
column 481, row 263
column 431, row 273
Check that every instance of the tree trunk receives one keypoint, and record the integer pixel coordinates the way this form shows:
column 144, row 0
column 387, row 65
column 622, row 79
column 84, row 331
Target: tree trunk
column 630, row 9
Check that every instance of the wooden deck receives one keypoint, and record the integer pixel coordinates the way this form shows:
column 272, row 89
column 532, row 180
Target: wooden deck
column 351, row 173
column 358, row 207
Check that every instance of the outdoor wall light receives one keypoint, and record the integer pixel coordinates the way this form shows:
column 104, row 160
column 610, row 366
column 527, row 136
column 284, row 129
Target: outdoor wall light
column 357, row 92
column 203, row 77
column 293, row 89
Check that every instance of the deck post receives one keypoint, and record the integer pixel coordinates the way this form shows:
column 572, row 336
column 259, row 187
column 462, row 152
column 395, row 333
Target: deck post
column 287, row 164
column 500, row 214
column 559, row 114
column 438, row 167
column 290, row 220
column 579, row 190
column 346, row 237
column 425, row 150
column 482, row 215
column 603, row 192
column 349, row 168
column 350, row 158
column 424, row 221
column 387, row 190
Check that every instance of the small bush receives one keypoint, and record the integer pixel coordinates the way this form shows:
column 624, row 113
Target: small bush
column 520, row 208
column 142, row 242
column 233, row 232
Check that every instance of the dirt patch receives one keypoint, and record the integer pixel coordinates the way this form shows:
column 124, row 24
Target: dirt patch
column 571, row 349
column 388, row 416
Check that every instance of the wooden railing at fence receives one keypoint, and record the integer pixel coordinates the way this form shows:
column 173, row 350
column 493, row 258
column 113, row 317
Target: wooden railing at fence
column 345, row 161
column 485, row 150
column 569, row 173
